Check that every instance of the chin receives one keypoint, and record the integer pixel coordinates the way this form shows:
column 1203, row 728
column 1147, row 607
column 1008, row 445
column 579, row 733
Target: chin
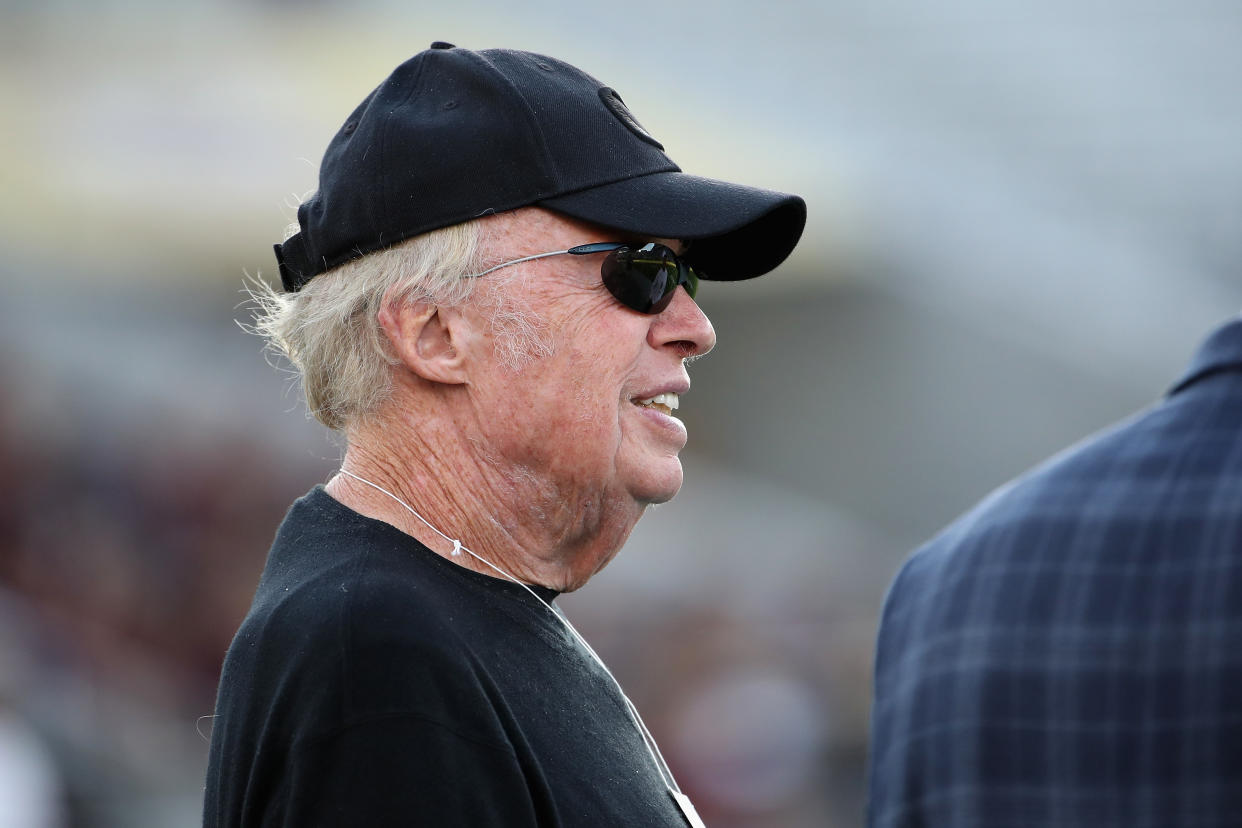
column 660, row 489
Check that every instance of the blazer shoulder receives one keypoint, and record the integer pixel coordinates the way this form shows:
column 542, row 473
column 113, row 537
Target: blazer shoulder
column 1151, row 463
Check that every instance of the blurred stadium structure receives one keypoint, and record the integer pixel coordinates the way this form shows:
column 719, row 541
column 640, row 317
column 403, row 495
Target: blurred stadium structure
column 1023, row 217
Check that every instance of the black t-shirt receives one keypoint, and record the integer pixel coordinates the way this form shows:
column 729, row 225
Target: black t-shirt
column 375, row 683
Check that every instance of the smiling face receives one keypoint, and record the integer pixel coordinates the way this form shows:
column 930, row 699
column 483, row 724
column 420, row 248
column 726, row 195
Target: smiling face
column 592, row 416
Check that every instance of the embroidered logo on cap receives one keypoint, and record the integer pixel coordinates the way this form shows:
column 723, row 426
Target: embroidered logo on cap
column 617, row 107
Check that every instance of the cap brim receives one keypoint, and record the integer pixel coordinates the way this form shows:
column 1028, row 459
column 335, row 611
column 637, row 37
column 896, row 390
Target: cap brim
column 739, row 232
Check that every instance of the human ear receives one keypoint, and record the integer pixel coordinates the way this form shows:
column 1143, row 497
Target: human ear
column 423, row 338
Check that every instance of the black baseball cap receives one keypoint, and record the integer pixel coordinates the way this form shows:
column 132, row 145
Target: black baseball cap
column 455, row 134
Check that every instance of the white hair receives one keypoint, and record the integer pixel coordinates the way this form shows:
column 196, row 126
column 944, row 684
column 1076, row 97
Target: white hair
column 330, row 331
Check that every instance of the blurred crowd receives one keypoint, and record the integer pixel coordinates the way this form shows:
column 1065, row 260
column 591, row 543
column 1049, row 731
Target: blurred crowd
column 128, row 553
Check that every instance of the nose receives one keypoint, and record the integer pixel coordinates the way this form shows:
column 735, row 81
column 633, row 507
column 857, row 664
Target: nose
column 682, row 327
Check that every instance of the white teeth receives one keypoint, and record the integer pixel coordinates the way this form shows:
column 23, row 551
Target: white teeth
column 667, row 399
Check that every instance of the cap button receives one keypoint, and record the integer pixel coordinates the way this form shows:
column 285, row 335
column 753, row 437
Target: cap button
column 440, row 44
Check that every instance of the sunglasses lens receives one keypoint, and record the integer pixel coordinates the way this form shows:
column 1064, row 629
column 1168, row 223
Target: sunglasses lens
column 645, row 279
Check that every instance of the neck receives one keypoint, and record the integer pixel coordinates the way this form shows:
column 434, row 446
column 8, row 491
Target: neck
column 513, row 518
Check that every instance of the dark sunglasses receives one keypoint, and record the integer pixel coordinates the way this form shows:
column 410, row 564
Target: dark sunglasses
column 642, row 278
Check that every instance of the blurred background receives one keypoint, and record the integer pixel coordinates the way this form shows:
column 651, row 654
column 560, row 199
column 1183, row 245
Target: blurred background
column 1023, row 218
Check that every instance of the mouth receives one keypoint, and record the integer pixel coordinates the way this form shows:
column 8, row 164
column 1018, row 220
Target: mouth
column 666, row 403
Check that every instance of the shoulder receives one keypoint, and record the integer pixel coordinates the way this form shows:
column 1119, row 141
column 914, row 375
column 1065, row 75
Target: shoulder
column 368, row 598
column 336, row 577
column 348, row 619
column 1145, row 489
column 358, row 651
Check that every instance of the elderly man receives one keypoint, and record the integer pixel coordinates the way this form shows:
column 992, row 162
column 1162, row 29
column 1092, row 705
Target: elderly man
column 483, row 295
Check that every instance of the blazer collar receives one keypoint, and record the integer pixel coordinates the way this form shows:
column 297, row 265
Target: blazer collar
column 1222, row 351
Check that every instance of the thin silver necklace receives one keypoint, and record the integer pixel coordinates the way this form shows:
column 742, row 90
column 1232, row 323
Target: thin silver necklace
column 683, row 802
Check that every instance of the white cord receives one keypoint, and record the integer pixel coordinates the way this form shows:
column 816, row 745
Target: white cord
column 458, row 547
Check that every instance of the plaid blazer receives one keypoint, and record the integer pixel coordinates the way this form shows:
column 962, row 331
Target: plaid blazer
column 1069, row 652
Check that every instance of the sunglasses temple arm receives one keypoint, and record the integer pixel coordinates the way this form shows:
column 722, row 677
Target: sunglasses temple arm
column 519, row 261
column 596, row 247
